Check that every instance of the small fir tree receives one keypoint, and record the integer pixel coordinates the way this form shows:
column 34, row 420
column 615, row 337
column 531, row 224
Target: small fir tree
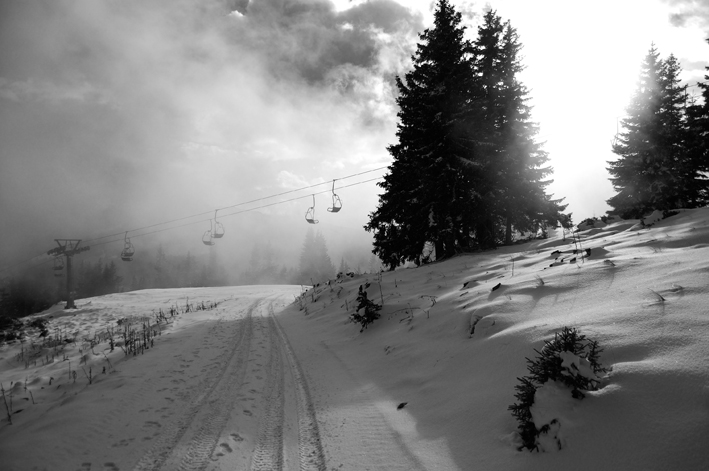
column 571, row 359
column 369, row 310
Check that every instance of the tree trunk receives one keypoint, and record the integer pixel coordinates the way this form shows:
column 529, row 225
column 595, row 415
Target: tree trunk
column 440, row 250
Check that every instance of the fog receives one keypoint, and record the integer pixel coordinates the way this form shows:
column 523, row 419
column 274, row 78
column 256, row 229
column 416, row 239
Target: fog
column 119, row 115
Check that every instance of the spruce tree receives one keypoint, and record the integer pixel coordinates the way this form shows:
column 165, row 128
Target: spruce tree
column 430, row 186
column 315, row 263
column 344, row 267
column 467, row 165
column 487, row 67
column 657, row 168
column 517, row 170
column 697, row 142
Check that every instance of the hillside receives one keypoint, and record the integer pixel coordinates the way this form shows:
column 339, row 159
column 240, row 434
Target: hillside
column 262, row 382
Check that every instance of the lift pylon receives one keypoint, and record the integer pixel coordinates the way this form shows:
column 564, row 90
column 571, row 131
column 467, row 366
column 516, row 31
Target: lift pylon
column 68, row 248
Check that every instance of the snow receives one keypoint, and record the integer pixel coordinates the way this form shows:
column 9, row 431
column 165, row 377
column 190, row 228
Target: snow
column 577, row 366
column 554, row 408
column 259, row 383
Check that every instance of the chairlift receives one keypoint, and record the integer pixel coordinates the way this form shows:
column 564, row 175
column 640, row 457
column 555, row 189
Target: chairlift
column 310, row 213
column 336, row 201
column 208, row 237
column 58, row 266
column 218, row 228
column 128, row 249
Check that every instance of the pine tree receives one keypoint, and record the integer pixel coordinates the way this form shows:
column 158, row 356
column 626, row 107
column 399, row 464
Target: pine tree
column 161, row 269
column 515, row 194
column 487, row 66
column 467, row 168
column 428, row 191
column 110, row 280
column 571, row 359
column 315, row 263
column 344, row 268
column 657, row 168
column 697, row 141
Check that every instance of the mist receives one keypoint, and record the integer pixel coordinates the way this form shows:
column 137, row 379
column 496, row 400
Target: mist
column 116, row 116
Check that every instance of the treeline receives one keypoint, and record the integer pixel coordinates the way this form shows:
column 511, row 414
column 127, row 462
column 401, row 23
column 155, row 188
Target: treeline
column 467, row 170
column 38, row 288
column 662, row 150
column 33, row 292
column 161, row 269
column 314, row 265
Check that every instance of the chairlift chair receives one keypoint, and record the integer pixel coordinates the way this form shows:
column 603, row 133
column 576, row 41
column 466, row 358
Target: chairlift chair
column 128, row 250
column 310, row 213
column 58, row 263
column 208, row 238
column 336, row 201
column 218, row 228
column 58, row 266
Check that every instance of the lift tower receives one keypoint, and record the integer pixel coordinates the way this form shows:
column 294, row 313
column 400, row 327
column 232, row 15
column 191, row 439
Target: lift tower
column 68, row 248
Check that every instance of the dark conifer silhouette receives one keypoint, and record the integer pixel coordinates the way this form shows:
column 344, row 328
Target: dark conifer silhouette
column 429, row 190
column 466, row 165
column 697, row 158
column 660, row 164
column 516, row 176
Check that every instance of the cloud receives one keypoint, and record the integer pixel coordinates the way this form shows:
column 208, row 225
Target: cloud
column 692, row 66
column 689, row 12
column 291, row 181
column 35, row 90
column 118, row 114
column 308, row 39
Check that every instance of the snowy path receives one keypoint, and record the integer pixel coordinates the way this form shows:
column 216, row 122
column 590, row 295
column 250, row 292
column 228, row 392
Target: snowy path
column 245, row 386
column 258, row 377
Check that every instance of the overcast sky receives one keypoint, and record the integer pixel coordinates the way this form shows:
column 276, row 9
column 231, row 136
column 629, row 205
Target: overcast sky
column 117, row 115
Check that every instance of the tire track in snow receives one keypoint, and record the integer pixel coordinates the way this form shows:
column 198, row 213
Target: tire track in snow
column 209, row 406
column 268, row 454
column 309, row 443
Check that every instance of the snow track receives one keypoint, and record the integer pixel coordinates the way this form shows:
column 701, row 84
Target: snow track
column 201, row 425
column 288, row 436
column 268, row 454
column 309, row 443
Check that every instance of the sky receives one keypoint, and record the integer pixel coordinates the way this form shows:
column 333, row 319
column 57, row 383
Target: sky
column 118, row 115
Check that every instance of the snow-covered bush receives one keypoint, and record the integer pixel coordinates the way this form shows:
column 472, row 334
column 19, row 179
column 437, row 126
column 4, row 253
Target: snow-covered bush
column 370, row 309
column 568, row 363
column 657, row 216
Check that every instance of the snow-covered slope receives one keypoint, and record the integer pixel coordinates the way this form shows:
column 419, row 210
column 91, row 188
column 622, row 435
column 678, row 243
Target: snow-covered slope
column 447, row 347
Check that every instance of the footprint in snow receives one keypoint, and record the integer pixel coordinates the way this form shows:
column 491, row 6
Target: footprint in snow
column 226, row 447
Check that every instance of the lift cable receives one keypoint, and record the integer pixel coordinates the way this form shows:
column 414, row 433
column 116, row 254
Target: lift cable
column 192, row 223
column 123, row 233
column 232, row 206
